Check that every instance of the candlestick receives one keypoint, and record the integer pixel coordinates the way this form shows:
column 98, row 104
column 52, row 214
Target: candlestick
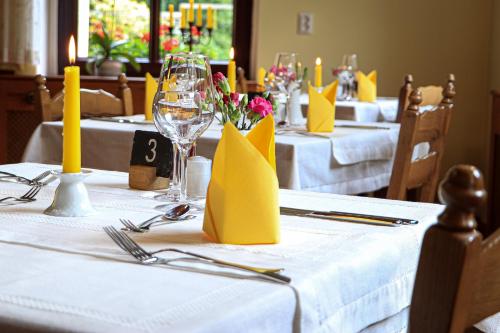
column 318, row 72
column 199, row 16
column 71, row 114
column 151, row 87
column 191, row 11
column 231, row 71
column 171, row 18
column 210, row 18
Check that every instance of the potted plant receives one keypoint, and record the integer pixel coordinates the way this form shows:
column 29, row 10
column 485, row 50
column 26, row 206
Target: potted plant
column 108, row 55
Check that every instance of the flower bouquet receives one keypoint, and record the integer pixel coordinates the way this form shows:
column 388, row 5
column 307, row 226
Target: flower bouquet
column 239, row 111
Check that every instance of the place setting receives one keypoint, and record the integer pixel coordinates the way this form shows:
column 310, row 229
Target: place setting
column 243, row 166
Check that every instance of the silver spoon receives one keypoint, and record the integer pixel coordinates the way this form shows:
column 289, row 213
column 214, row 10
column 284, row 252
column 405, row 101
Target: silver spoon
column 173, row 214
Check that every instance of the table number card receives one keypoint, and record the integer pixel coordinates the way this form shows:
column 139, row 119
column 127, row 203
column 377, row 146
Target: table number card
column 151, row 161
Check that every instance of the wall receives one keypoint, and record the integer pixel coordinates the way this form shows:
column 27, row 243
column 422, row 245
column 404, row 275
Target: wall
column 427, row 38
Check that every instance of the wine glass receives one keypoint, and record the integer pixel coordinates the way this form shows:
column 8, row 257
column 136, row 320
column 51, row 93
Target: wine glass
column 288, row 77
column 183, row 108
column 350, row 66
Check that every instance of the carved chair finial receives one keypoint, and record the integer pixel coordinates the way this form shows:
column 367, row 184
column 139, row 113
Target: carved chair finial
column 449, row 90
column 415, row 100
column 41, row 81
column 462, row 190
column 408, row 79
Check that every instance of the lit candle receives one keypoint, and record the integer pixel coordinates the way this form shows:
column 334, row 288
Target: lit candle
column 210, row 17
column 71, row 114
column 318, row 72
column 261, row 76
column 183, row 18
column 191, row 11
column 151, row 87
column 231, row 71
column 171, row 11
column 199, row 16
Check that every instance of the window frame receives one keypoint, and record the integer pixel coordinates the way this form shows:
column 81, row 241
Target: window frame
column 242, row 36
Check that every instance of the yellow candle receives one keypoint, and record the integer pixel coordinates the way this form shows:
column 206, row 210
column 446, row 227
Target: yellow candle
column 71, row 115
column 191, row 11
column 231, row 71
column 210, row 17
column 171, row 11
column 199, row 16
column 261, row 76
column 183, row 18
column 318, row 72
column 151, row 87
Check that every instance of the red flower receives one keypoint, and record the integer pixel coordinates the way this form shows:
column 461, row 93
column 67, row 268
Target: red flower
column 195, row 31
column 218, row 77
column 164, row 29
column 145, row 37
column 170, row 44
column 233, row 97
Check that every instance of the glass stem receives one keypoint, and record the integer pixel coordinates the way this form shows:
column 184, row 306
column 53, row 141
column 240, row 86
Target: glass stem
column 175, row 167
column 184, row 152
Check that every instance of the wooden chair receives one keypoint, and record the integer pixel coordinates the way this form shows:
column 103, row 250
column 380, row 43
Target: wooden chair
column 431, row 95
column 241, row 81
column 418, row 127
column 458, row 278
column 93, row 103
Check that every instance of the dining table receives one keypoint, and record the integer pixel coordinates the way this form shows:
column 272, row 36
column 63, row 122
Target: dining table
column 64, row 274
column 356, row 158
column 383, row 109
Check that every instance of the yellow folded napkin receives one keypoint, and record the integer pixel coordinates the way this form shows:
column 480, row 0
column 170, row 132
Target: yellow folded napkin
column 150, row 88
column 321, row 113
column 242, row 204
column 367, row 86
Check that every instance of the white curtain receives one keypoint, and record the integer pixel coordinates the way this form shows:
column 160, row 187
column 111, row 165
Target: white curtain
column 27, row 35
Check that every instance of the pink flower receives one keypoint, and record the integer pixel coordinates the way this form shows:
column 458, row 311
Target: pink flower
column 261, row 106
column 233, row 97
column 218, row 77
column 273, row 69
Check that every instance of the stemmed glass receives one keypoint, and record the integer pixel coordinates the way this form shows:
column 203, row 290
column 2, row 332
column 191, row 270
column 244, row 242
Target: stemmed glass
column 350, row 66
column 183, row 108
column 288, row 77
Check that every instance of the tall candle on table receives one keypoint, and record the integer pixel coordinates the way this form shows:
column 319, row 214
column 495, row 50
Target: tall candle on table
column 261, row 76
column 171, row 17
column 71, row 114
column 231, row 71
column 318, row 72
column 183, row 18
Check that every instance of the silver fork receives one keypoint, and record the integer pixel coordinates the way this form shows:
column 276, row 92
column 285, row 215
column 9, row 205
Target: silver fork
column 10, row 176
column 26, row 197
column 145, row 257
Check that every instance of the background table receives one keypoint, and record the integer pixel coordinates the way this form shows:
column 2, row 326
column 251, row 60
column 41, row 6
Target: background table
column 384, row 109
column 352, row 161
column 66, row 274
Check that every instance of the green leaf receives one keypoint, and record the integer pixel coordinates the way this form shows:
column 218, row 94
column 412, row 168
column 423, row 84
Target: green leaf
column 118, row 43
column 129, row 57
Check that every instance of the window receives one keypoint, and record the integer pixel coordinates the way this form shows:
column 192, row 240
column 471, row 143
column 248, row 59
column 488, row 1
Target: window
column 144, row 25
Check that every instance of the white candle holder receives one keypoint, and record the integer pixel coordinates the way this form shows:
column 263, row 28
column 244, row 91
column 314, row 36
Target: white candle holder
column 71, row 198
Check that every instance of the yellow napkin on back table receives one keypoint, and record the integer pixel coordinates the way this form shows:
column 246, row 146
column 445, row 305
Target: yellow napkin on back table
column 321, row 113
column 367, row 86
column 242, row 204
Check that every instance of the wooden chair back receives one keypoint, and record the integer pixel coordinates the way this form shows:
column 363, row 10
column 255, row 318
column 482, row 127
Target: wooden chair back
column 241, row 81
column 93, row 103
column 458, row 277
column 418, row 127
column 431, row 95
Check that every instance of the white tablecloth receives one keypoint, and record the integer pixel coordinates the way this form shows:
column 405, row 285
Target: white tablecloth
column 383, row 109
column 66, row 274
column 351, row 161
